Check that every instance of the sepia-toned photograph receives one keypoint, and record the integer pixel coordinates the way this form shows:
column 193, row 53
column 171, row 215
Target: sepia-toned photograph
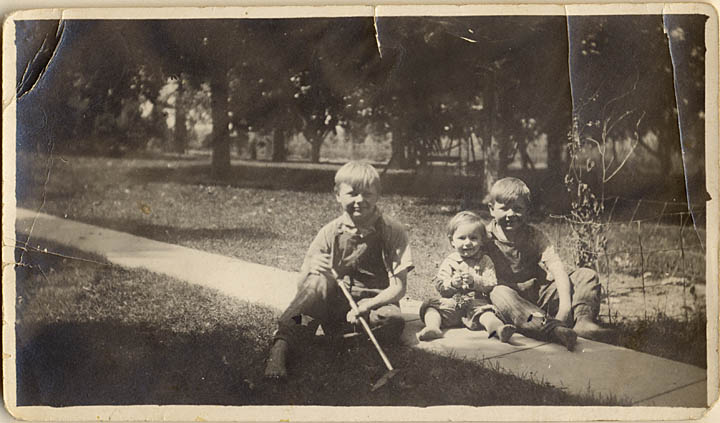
column 244, row 210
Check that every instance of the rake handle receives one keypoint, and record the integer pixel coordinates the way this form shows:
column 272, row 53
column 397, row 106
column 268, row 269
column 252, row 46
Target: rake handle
column 364, row 322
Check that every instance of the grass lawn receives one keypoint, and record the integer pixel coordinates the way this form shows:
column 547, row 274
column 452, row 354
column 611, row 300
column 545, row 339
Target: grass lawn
column 269, row 216
column 90, row 333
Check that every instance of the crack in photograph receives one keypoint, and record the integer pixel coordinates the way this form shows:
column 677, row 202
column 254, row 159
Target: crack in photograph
column 360, row 209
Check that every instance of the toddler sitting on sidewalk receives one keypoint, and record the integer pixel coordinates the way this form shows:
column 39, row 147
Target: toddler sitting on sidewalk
column 464, row 280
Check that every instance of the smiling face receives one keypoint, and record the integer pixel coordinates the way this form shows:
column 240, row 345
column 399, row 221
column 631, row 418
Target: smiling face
column 358, row 202
column 511, row 216
column 468, row 238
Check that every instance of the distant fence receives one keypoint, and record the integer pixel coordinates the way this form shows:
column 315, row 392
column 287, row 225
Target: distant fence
column 660, row 239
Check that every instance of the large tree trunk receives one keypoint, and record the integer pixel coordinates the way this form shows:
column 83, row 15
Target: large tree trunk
column 398, row 151
column 279, row 150
column 221, row 133
column 180, row 135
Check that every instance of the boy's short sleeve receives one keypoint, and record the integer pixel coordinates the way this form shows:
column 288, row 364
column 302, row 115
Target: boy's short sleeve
column 322, row 244
column 545, row 249
column 398, row 252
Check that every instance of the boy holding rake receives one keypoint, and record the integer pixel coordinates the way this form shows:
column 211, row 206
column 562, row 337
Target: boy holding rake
column 361, row 246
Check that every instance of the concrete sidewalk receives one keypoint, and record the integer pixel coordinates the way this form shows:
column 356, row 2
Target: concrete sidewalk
column 596, row 368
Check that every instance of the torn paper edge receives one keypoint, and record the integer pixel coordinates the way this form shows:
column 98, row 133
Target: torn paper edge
column 217, row 413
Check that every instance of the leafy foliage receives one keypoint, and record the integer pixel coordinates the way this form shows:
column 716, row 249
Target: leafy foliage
column 433, row 85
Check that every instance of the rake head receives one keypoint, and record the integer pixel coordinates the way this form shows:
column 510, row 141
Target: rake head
column 384, row 379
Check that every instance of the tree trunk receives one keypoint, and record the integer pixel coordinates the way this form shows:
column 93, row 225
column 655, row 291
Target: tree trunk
column 252, row 145
column 397, row 149
column 221, row 134
column 279, row 150
column 492, row 150
column 242, row 141
column 315, row 146
column 180, row 118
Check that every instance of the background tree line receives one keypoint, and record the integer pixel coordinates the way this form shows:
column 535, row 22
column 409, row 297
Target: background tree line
column 621, row 85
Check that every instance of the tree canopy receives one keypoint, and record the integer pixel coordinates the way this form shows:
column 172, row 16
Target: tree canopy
column 427, row 82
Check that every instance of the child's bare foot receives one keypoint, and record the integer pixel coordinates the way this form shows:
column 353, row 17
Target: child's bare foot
column 275, row 368
column 428, row 334
column 565, row 336
column 505, row 332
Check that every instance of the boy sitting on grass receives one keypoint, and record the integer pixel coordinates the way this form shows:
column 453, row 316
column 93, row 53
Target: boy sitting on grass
column 533, row 284
column 365, row 246
column 464, row 280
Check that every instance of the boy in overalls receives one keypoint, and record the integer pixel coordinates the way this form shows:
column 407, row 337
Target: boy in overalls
column 535, row 292
column 363, row 249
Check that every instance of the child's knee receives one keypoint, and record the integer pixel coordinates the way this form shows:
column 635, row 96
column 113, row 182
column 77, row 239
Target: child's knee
column 319, row 284
column 587, row 276
column 430, row 304
column 502, row 294
column 586, row 284
column 388, row 328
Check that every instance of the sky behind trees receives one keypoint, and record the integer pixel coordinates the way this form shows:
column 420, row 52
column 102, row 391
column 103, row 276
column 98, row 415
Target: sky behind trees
column 498, row 82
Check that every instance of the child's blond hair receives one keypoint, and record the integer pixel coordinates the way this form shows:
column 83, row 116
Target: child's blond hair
column 465, row 217
column 510, row 190
column 358, row 175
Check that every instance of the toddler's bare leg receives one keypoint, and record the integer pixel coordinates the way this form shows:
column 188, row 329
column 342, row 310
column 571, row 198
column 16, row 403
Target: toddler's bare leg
column 494, row 326
column 432, row 326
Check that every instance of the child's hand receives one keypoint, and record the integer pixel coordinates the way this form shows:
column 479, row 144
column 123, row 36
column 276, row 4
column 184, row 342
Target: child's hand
column 468, row 282
column 363, row 310
column 321, row 264
column 487, row 281
column 456, row 282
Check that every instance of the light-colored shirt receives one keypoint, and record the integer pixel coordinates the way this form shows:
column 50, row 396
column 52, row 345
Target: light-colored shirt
column 480, row 267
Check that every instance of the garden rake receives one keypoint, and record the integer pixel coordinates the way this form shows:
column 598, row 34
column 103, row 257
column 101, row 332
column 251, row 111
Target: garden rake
column 347, row 263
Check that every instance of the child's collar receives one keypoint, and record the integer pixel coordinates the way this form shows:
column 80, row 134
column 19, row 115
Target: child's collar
column 496, row 231
column 458, row 258
column 347, row 223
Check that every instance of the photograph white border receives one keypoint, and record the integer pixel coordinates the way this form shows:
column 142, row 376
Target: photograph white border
column 311, row 413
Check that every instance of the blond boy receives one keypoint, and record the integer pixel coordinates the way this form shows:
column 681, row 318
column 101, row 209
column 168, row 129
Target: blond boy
column 535, row 292
column 368, row 251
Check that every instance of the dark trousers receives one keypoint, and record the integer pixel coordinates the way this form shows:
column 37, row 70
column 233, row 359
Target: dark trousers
column 529, row 305
column 320, row 298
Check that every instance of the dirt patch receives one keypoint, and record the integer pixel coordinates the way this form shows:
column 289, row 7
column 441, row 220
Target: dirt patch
column 637, row 298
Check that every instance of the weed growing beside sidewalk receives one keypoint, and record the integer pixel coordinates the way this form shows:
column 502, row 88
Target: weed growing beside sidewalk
column 90, row 333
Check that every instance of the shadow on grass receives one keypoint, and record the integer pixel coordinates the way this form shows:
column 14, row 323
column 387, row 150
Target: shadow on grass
column 173, row 234
column 176, row 235
column 672, row 338
column 443, row 185
column 108, row 363
column 90, row 333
